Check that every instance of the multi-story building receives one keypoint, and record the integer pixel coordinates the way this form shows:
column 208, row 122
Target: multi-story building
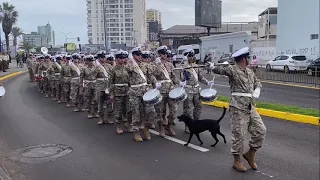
column 268, row 24
column 154, row 22
column 298, row 28
column 125, row 22
column 36, row 39
column 46, row 31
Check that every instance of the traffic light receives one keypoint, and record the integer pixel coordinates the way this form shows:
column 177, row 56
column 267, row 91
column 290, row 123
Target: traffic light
column 78, row 38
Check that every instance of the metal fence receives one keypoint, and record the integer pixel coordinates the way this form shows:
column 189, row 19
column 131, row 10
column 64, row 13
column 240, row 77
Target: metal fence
column 293, row 74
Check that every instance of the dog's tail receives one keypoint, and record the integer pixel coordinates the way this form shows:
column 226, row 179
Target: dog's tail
column 224, row 112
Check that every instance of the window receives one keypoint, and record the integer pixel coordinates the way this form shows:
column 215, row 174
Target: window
column 284, row 58
column 273, row 19
column 314, row 36
column 277, row 58
column 299, row 58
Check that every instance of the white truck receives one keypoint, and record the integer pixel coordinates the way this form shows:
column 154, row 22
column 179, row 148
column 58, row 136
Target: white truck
column 218, row 45
column 195, row 47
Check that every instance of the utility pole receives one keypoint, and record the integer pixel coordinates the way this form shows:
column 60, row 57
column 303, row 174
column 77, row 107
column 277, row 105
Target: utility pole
column 104, row 26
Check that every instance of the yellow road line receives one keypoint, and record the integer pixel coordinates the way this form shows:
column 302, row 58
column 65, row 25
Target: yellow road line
column 11, row 75
column 276, row 114
column 293, row 85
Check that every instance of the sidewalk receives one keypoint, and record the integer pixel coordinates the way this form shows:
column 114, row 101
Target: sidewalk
column 13, row 69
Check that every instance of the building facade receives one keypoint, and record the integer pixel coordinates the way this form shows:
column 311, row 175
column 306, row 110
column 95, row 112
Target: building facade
column 268, row 24
column 124, row 22
column 298, row 28
column 46, row 31
column 154, row 22
column 36, row 39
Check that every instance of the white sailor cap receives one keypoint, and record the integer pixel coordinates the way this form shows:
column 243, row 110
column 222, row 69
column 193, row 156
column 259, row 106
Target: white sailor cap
column 121, row 54
column 188, row 51
column 162, row 49
column 68, row 57
column 241, row 52
column 146, row 52
column 109, row 57
column 47, row 56
column 136, row 51
column 89, row 57
column 169, row 52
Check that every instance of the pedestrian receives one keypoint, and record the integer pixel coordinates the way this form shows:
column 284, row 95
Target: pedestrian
column 254, row 64
column 245, row 88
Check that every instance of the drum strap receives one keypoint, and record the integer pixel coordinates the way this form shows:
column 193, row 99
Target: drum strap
column 139, row 85
column 140, row 72
column 194, row 73
column 165, row 72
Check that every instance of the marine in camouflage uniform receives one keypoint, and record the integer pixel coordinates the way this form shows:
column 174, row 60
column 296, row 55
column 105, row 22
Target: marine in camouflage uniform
column 149, row 110
column 66, row 78
column 119, row 84
column 76, row 85
column 37, row 74
column 88, row 75
column 43, row 68
column 244, row 86
column 192, row 77
column 164, row 73
column 103, row 71
column 137, row 88
column 29, row 63
column 56, row 76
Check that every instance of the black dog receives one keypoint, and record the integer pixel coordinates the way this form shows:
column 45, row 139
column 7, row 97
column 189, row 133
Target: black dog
column 198, row 126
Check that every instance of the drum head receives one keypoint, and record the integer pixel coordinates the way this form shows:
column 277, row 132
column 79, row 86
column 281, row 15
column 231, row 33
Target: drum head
column 177, row 92
column 151, row 94
column 207, row 93
column 2, row 90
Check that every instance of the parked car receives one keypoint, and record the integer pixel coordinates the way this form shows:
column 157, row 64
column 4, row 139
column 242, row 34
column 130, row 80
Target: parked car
column 314, row 67
column 288, row 63
column 226, row 57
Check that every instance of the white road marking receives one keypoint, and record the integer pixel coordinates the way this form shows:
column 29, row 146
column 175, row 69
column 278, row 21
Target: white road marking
column 201, row 149
column 221, row 85
column 265, row 174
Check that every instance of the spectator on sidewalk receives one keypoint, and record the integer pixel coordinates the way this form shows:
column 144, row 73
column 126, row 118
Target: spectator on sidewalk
column 254, row 63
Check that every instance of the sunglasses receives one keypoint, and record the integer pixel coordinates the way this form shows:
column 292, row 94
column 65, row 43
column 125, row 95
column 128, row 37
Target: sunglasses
column 190, row 55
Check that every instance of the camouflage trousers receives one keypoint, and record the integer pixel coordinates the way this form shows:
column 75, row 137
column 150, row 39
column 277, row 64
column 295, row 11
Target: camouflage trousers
column 66, row 91
column 161, row 110
column 120, row 109
column 104, row 99
column 240, row 123
column 76, row 93
column 52, row 88
column 58, row 90
column 90, row 102
column 192, row 99
column 136, row 112
column 31, row 75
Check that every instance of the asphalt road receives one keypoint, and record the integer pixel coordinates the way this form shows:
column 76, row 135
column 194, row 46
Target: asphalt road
column 290, row 152
column 282, row 94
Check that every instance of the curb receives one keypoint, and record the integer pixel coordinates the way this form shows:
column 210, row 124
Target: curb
column 11, row 75
column 276, row 114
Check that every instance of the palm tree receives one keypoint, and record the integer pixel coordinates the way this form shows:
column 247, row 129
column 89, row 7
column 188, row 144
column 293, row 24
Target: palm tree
column 16, row 32
column 9, row 18
column 26, row 46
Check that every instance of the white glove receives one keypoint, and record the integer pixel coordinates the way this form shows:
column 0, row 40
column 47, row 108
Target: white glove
column 211, row 83
column 158, row 85
column 212, row 66
column 107, row 91
column 184, row 83
column 158, row 60
column 256, row 93
column 185, row 58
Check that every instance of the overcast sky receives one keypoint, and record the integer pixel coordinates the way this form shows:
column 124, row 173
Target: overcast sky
column 70, row 15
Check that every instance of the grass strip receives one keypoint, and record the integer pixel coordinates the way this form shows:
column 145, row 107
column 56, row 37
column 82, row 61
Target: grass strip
column 280, row 107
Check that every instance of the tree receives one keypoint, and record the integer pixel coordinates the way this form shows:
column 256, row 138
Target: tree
column 8, row 19
column 26, row 46
column 16, row 32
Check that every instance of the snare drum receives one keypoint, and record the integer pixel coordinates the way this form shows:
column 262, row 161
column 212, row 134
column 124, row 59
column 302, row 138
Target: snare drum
column 152, row 97
column 2, row 91
column 208, row 95
column 178, row 94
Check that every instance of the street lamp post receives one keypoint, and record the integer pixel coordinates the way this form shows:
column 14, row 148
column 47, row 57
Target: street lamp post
column 66, row 39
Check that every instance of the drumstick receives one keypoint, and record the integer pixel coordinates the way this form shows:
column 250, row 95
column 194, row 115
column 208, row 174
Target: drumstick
column 156, row 88
column 213, row 81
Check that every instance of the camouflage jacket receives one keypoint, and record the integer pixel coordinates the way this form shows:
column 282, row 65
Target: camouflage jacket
column 54, row 71
column 193, row 76
column 65, row 72
column 148, row 70
column 35, row 67
column 29, row 63
column 119, row 81
column 137, row 81
column 102, row 80
column 164, row 72
column 241, row 81
column 88, row 75
column 44, row 68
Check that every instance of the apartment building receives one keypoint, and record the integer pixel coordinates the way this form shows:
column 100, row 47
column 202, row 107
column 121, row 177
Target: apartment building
column 125, row 22
column 153, row 18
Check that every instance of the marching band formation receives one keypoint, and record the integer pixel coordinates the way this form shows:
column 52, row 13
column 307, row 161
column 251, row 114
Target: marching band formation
column 137, row 91
column 140, row 92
